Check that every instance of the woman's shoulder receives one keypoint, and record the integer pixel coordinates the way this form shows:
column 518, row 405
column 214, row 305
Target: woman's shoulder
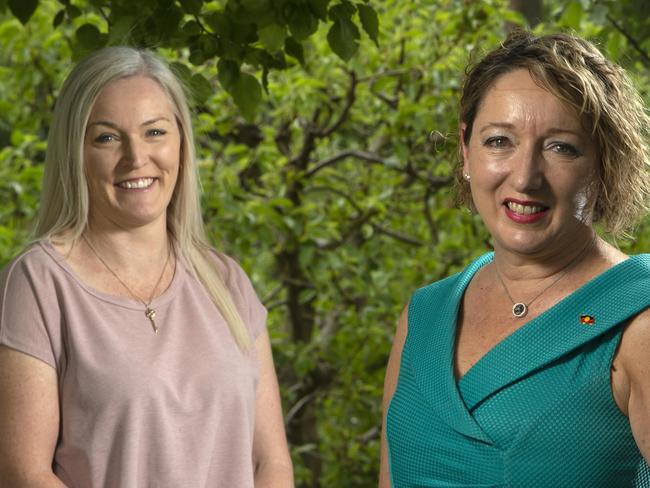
column 457, row 280
column 36, row 258
column 227, row 266
column 233, row 275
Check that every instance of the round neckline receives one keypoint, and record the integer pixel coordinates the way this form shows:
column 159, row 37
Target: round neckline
column 122, row 301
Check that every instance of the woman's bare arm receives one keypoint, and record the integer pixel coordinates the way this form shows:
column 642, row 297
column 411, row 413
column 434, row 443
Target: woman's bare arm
column 273, row 467
column 29, row 421
column 390, row 383
column 634, row 358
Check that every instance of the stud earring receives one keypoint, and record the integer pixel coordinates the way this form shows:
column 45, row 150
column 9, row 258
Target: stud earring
column 466, row 176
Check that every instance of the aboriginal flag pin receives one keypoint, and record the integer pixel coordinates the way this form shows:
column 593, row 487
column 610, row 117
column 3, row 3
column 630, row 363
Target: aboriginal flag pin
column 587, row 319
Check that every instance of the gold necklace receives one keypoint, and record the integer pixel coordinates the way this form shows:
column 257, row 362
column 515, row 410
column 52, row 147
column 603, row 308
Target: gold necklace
column 520, row 309
column 149, row 312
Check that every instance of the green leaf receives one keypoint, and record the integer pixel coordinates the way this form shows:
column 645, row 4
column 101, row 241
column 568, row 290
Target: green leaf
column 572, row 15
column 182, row 72
column 319, row 8
column 256, row 5
column 343, row 38
column 614, row 44
column 120, row 31
column 219, row 23
column 167, row 20
column 247, row 94
column 72, row 11
column 89, row 37
column 191, row 28
column 343, row 11
column 243, row 87
column 23, row 9
column 228, row 74
column 294, row 48
column 369, row 21
column 302, row 23
column 209, row 46
column 201, row 88
column 192, row 6
column 58, row 18
column 272, row 37
column 196, row 54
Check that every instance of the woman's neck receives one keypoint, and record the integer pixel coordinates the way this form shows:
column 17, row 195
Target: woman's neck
column 137, row 247
column 514, row 266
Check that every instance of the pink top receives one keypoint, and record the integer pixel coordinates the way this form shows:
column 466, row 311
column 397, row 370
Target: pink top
column 138, row 409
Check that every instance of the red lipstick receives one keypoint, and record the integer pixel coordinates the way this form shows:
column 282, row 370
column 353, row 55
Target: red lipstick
column 524, row 218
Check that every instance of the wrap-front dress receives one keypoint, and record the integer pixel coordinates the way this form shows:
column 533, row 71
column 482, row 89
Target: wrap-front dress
column 535, row 411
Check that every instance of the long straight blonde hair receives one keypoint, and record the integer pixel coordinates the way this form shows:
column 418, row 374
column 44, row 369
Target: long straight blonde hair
column 63, row 213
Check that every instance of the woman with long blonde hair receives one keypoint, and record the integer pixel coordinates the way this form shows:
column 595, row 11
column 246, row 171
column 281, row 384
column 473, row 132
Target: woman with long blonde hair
column 131, row 352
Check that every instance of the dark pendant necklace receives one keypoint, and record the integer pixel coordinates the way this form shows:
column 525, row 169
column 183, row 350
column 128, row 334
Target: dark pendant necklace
column 520, row 309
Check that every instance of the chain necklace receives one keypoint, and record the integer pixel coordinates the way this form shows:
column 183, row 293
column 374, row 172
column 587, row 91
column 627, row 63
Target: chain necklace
column 520, row 309
column 149, row 312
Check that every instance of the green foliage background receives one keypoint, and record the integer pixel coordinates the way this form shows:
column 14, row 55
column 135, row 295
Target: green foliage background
column 326, row 171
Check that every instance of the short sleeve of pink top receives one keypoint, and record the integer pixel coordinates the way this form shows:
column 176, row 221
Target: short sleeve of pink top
column 138, row 409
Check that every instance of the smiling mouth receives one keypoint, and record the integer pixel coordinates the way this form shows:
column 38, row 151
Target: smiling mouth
column 524, row 209
column 137, row 184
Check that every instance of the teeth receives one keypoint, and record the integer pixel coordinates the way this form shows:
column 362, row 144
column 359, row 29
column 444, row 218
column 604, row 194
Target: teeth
column 139, row 183
column 524, row 209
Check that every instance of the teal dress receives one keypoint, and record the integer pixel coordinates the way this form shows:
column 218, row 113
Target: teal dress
column 536, row 411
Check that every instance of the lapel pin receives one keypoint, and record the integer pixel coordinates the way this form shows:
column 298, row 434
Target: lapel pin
column 587, row 319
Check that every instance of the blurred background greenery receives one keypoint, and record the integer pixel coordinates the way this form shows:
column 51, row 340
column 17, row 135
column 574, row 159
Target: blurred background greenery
column 326, row 133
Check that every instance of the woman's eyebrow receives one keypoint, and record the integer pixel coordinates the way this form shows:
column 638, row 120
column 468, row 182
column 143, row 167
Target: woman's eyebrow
column 113, row 125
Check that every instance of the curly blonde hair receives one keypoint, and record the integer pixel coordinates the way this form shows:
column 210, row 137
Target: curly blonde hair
column 600, row 92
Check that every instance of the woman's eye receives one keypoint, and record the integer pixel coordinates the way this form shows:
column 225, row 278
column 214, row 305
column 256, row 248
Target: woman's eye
column 104, row 138
column 497, row 142
column 564, row 149
column 156, row 132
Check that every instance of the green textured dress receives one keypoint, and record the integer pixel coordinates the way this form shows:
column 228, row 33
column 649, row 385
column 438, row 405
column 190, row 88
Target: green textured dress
column 536, row 411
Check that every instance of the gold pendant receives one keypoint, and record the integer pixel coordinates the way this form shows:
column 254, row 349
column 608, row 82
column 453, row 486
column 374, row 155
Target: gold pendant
column 151, row 314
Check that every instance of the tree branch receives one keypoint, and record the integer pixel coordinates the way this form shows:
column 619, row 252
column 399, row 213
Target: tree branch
column 298, row 405
column 274, row 293
column 349, row 101
column 276, row 304
column 342, row 155
column 340, row 193
column 635, row 44
column 398, row 236
column 354, row 228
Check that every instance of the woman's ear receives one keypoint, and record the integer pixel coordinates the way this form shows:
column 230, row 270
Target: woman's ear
column 464, row 148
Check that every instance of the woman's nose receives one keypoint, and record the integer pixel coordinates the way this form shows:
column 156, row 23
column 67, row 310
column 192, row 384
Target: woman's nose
column 134, row 153
column 528, row 169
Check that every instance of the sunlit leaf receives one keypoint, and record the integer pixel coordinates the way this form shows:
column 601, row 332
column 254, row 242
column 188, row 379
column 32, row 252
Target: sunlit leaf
column 272, row 37
column 572, row 15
